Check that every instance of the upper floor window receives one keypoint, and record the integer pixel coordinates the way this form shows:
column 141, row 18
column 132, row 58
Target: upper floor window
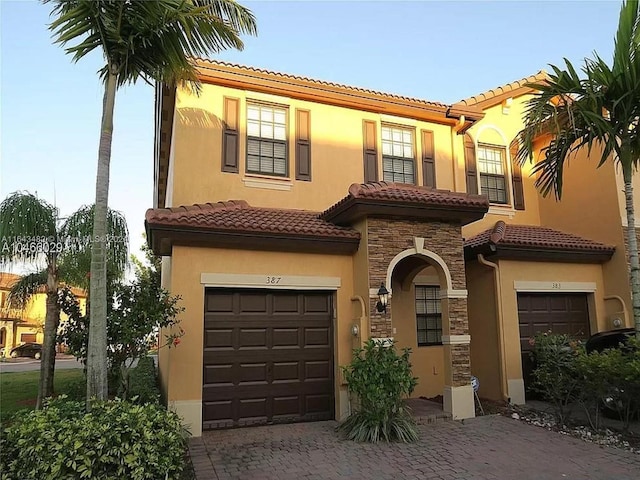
column 428, row 315
column 398, row 157
column 492, row 169
column 267, row 140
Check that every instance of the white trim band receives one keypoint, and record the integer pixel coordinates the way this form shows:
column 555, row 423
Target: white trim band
column 550, row 287
column 456, row 339
column 453, row 293
column 270, row 280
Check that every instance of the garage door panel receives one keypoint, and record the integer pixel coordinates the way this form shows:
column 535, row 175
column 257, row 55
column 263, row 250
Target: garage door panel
column 286, row 304
column 558, row 313
column 316, row 304
column 267, row 357
column 286, row 337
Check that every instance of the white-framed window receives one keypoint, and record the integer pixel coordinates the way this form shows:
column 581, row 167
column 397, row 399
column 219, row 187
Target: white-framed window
column 492, row 168
column 428, row 315
column 267, row 139
column 398, row 154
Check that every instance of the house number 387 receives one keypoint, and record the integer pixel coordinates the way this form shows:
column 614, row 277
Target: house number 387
column 273, row 280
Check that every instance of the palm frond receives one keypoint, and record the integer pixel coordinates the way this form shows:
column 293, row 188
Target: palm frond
column 25, row 221
column 152, row 40
column 76, row 234
column 25, row 288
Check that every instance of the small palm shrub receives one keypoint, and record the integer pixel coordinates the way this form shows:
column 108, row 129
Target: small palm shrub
column 380, row 378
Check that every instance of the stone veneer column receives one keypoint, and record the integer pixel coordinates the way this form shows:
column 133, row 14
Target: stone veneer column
column 386, row 239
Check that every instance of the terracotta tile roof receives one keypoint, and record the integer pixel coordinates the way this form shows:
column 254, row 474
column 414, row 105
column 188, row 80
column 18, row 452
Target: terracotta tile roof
column 408, row 194
column 238, row 216
column 207, row 62
column 509, row 87
column 534, row 237
column 8, row 279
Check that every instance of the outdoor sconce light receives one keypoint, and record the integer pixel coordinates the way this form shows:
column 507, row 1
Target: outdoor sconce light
column 355, row 330
column 383, row 299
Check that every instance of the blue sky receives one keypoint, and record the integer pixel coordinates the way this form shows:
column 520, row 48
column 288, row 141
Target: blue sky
column 50, row 108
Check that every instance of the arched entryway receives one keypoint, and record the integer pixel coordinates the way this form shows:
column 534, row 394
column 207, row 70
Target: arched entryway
column 428, row 312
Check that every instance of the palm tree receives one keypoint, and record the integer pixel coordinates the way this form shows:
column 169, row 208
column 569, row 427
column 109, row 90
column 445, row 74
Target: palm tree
column 600, row 110
column 32, row 233
column 152, row 40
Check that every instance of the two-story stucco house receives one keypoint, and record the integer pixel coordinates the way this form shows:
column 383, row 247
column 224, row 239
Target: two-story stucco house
column 283, row 204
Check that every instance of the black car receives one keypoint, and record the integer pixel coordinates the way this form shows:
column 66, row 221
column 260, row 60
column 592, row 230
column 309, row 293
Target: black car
column 29, row 349
column 611, row 339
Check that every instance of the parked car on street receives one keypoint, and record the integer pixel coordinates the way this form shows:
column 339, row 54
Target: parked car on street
column 29, row 349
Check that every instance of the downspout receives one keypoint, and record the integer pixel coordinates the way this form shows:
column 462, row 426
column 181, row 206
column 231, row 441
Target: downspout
column 498, row 295
column 454, row 130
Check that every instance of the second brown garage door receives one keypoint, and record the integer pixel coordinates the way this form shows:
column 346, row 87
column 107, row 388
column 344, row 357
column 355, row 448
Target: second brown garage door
column 543, row 312
column 267, row 357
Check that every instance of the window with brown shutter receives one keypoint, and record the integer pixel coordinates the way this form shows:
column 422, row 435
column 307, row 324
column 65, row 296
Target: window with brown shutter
column 518, row 187
column 230, row 135
column 398, row 154
column 470, row 164
column 303, row 145
column 370, row 149
column 492, row 167
column 267, row 139
column 428, row 159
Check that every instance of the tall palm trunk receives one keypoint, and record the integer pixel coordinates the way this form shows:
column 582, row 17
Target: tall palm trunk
column 632, row 240
column 97, row 350
column 51, row 322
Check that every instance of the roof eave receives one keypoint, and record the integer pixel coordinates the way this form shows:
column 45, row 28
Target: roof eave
column 162, row 238
column 356, row 208
column 319, row 92
column 539, row 253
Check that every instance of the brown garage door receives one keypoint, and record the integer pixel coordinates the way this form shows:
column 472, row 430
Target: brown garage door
column 267, row 357
column 542, row 312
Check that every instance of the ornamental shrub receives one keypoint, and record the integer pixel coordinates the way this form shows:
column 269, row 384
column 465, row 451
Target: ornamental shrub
column 117, row 440
column 380, row 378
column 143, row 382
column 556, row 375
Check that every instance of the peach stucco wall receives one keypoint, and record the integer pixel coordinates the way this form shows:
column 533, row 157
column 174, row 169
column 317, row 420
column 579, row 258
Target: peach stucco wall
column 336, row 152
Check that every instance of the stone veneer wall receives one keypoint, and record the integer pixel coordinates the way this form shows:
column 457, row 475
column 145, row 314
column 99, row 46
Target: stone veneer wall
column 389, row 237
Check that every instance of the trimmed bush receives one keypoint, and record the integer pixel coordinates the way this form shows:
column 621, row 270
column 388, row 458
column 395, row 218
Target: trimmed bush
column 556, row 376
column 380, row 379
column 116, row 440
column 143, row 382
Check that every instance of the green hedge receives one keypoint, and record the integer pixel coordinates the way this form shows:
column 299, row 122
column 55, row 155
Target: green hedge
column 143, row 382
column 117, row 440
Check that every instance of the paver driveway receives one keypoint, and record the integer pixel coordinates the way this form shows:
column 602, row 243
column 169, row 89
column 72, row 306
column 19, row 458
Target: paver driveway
column 491, row 447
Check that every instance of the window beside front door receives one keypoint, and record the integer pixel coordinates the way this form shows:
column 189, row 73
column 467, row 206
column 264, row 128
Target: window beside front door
column 428, row 315
column 493, row 176
column 398, row 157
column 267, row 140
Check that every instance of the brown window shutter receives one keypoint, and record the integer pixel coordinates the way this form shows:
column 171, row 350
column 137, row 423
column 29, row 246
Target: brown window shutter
column 230, row 135
column 470, row 164
column 370, row 152
column 516, row 173
column 303, row 145
column 428, row 159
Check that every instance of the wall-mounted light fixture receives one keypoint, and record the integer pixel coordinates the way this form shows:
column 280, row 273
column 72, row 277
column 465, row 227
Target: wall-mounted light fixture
column 383, row 299
column 355, row 330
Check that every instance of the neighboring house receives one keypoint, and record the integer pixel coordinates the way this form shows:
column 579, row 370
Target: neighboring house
column 22, row 325
column 282, row 204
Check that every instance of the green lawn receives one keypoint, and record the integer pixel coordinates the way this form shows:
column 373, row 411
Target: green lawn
column 19, row 390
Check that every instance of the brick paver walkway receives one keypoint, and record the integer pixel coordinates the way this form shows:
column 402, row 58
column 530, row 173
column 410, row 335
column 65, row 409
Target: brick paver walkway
column 491, row 447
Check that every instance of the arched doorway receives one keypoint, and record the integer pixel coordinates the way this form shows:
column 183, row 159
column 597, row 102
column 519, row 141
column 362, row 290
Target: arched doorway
column 428, row 310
